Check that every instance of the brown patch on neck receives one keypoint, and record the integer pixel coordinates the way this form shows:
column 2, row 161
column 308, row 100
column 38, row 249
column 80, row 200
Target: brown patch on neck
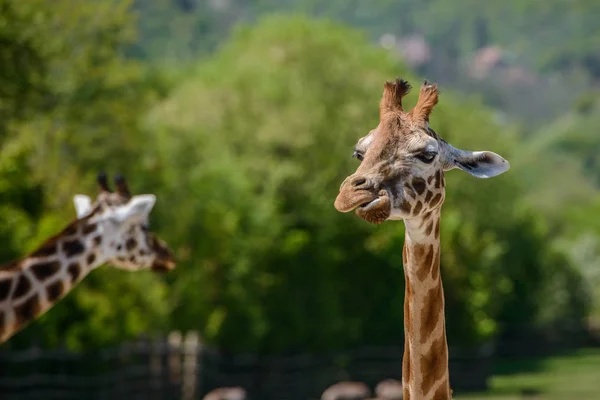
column 89, row 228
column 73, row 247
column 74, row 270
column 47, row 249
column 55, row 291
column 5, row 286
column 425, row 264
column 45, row 270
column 429, row 228
column 23, row 287
column 442, row 393
column 432, row 311
column 27, row 311
column 434, row 364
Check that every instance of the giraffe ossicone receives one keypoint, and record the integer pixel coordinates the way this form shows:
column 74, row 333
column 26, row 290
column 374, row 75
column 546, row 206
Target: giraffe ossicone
column 114, row 230
column 401, row 177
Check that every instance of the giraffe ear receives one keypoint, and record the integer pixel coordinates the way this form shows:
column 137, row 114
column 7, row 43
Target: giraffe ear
column 83, row 205
column 138, row 207
column 480, row 164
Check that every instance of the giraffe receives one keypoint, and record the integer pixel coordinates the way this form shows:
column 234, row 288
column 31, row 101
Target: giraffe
column 113, row 230
column 401, row 177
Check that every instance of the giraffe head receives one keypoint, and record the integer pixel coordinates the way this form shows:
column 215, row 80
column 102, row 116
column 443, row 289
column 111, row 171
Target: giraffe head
column 122, row 221
column 401, row 175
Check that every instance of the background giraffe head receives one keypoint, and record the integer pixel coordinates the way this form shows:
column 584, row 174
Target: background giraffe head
column 401, row 175
column 122, row 221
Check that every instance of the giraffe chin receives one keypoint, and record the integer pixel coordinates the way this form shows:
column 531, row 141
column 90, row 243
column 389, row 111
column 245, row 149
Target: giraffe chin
column 376, row 211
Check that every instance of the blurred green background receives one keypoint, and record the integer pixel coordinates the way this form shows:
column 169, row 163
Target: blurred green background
column 241, row 116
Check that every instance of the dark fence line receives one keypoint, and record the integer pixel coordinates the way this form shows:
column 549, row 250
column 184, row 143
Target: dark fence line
column 181, row 367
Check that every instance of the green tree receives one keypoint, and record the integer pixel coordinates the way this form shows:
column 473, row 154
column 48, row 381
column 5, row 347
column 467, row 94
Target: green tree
column 252, row 148
column 82, row 100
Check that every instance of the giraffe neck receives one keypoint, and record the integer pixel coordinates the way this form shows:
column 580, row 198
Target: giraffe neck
column 32, row 285
column 425, row 365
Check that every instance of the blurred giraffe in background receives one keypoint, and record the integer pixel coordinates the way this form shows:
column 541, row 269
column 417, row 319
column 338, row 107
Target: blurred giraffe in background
column 112, row 230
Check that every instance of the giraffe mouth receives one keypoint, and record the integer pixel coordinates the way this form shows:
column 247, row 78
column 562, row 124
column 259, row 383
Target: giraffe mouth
column 377, row 210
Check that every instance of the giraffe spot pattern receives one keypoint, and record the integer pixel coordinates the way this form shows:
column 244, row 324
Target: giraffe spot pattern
column 89, row 228
column 75, row 271
column 435, row 201
column 44, row 270
column 72, row 247
column 441, row 393
column 55, row 290
column 130, row 244
column 28, row 310
column 70, row 230
column 429, row 228
column 435, row 269
column 409, row 191
column 428, row 196
column 419, row 185
column 91, row 258
column 44, row 251
column 405, row 207
column 425, row 218
column 97, row 241
column 438, row 179
column 434, row 363
column 425, row 267
column 406, row 370
column 419, row 252
column 418, row 208
column 5, row 286
column 23, row 286
column 431, row 311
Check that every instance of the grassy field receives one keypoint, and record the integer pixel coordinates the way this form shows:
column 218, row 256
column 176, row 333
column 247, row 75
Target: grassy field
column 575, row 376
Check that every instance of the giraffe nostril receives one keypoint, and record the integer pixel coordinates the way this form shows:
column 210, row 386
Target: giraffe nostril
column 359, row 181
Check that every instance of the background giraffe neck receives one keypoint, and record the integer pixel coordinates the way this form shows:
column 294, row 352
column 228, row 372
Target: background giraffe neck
column 32, row 285
column 425, row 364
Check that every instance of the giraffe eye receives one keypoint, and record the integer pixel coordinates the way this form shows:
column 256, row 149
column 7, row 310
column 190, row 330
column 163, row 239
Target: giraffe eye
column 357, row 155
column 427, row 157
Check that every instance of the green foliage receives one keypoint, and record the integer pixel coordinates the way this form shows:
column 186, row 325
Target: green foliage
column 253, row 148
column 82, row 100
column 245, row 151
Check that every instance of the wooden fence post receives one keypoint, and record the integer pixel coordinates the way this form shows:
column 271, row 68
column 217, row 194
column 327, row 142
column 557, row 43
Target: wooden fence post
column 191, row 345
column 174, row 351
